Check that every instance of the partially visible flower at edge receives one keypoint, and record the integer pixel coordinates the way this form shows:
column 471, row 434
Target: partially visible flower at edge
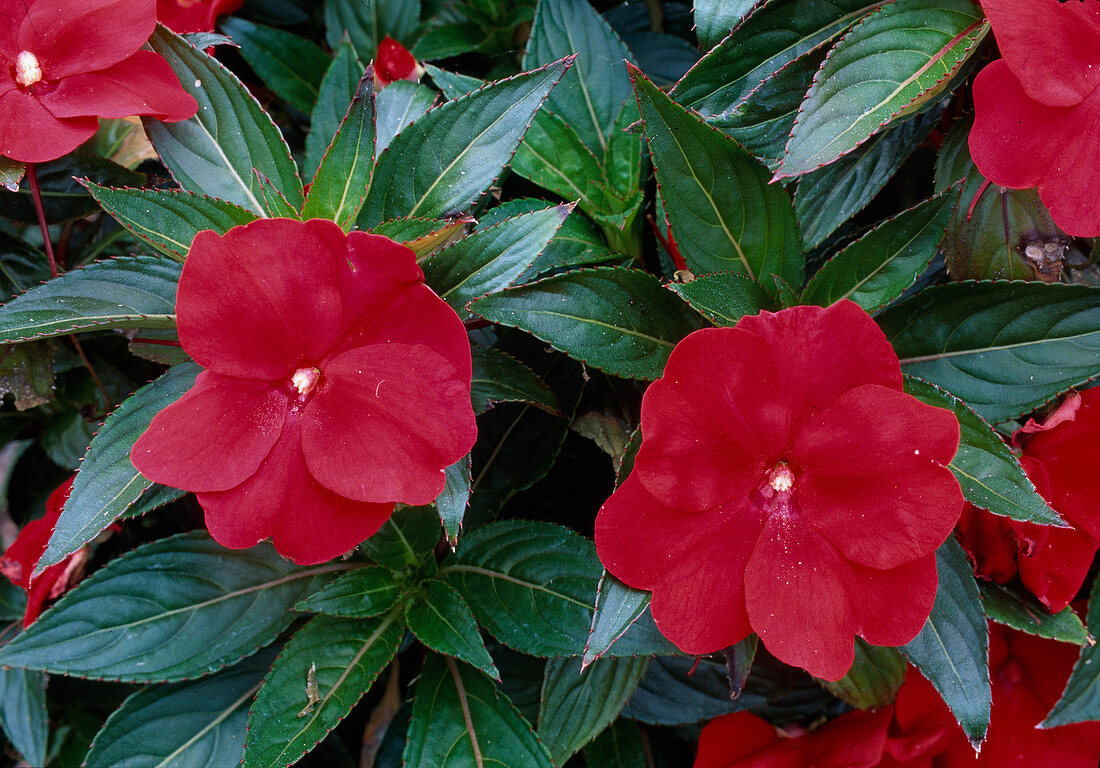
column 393, row 62
column 20, row 559
column 787, row 486
column 193, row 15
column 64, row 65
column 336, row 384
column 1036, row 114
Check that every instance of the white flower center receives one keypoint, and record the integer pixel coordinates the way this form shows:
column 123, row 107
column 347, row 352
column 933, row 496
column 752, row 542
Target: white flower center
column 305, row 380
column 781, row 479
column 27, row 69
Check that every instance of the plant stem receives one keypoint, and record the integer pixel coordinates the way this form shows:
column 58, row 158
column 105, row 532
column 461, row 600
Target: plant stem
column 40, row 212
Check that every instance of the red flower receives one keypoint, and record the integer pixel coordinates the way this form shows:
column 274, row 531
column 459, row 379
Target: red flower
column 1052, row 562
column 337, row 384
column 786, row 486
column 64, row 64
column 394, row 62
column 193, row 15
column 743, row 740
column 1038, row 108
column 23, row 555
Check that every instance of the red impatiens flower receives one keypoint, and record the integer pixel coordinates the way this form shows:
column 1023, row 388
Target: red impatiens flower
column 193, row 15
column 64, row 64
column 1037, row 110
column 394, row 62
column 787, row 486
column 743, row 740
column 22, row 556
column 336, row 384
column 1052, row 563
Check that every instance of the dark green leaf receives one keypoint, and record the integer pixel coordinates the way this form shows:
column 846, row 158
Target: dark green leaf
column 621, row 609
column 21, row 265
column 397, row 105
column 274, row 202
column 592, row 93
column 877, row 268
column 1081, row 700
column 366, row 22
column 714, row 19
column 107, row 483
column 874, row 679
column 340, row 186
column 194, row 723
column 63, row 197
column 989, row 473
column 577, row 705
column 406, row 539
column 1026, row 614
column 912, row 46
column 27, row 373
column 491, row 259
column 361, row 594
column 424, row 236
column 174, row 609
column 723, row 297
column 952, row 650
column 168, row 219
column 720, row 206
column 449, row 157
column 290, row 65
column 13, row 601
column 499, row 378
column 334, row 97
column 619, row 320
column 215, row 152
column 451, row 503
column 343, row 657
column 127, row 292
column 23, row 713
column 577, row 242
column 620, row 746
column 461, row 719
column 676, row 691
column 553, row 156
column 442, row 620
column 1004, row 348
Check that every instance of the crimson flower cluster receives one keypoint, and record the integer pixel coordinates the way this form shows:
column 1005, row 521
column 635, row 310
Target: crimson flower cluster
column 193, row 15
column 787, row 486
column 65, row 64
column 1034, row 106
column 336, row 385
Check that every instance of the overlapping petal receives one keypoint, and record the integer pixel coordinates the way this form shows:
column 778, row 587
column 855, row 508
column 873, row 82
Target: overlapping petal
column 70, row 38
column 193, row 15
column 31, row 133
column 142, row 84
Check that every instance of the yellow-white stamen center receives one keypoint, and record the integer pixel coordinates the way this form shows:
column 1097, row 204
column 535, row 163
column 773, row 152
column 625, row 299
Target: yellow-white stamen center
column 781, row 479
column 305, row 380
column 27, row 69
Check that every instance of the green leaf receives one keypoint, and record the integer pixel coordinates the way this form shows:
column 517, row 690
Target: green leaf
column 168, row 219
column 577, row 241
column 13, row 601
column 714, row 19
column 340, row 186
column 721, row 208
column 63, row 196
column 127, row 292
column 491, row 259
column 366, row 22
column 677, row 691
column 290, row 65
column 23, row 713
column 334, row 97
column 620, row 746
column 619, row 320
column 274, row 201
column 1080, row 701
column 424, row 236
column 107, row 484
column 442, row 620
column 874, row 679
column 192, row 723
column 343, row 657
column 500, row 378
column 989, row 473
column 952, row 650
column 1004, row 348
column 361, row 594
column 621, row 609
column 452, row 501
column 576, row 705
column 723, row 297
column 398, row 105
column 829, row 196
column 405, row 540
column 168, row 619
column 877, row 268
column 448, row 158
column 460, row 719
column 553, row 156
column 215, row 152
column 592, row 93
column 912, row 46
column 1026, row 614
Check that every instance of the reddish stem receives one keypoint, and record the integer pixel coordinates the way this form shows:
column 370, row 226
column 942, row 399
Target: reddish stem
column 476, row 322
column 40, row 212
column 158, row 342
column 977, row 197
column 669, row 245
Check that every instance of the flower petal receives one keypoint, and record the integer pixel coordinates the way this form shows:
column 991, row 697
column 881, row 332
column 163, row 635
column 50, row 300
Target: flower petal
column 263, row 300
column 29, row 133
column 1057, row 565
column 694, row 563
column 213, row 437
column 740, row 740
column 142, row 84
column 890, row 607
column 190, row 16
column 872, row 476
column 308, row 523
column 853, row 740
column 73, row 37
column 385, row 422
column 713, row 420
column 1028, row 31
